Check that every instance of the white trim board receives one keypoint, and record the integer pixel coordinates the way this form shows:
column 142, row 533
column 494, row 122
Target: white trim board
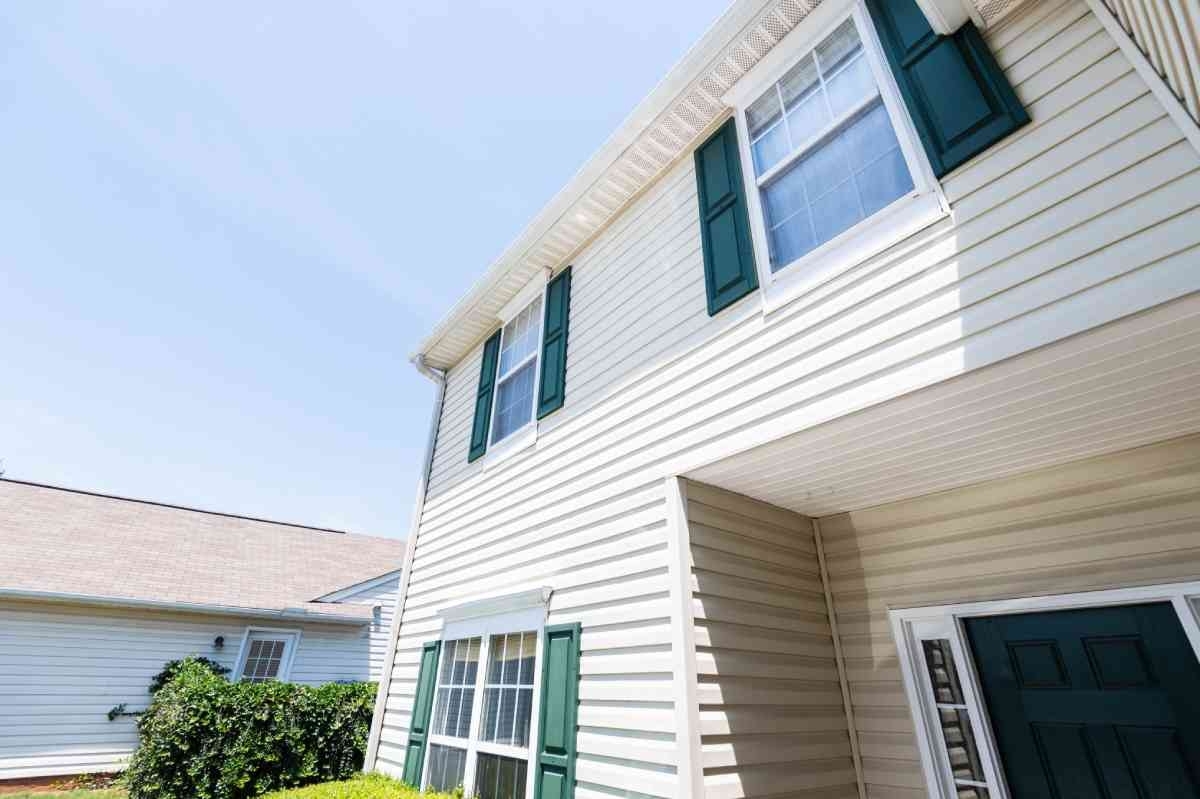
column 911, row 625
column 358, row 588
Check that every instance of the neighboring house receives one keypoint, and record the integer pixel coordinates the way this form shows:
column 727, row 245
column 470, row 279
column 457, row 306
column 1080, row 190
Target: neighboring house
column 98, row 592
column 832, row 433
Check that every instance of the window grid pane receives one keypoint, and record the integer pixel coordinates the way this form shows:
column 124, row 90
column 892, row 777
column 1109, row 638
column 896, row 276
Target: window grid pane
column 447, row 766
column 500, row 777
column 263, row 659
column 514, row 402
column 508, row 693
column 456, row 688
column 518, row 367
column 954, row 718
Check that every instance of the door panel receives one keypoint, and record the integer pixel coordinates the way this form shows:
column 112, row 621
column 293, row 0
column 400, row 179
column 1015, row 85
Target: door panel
column 1092, row 703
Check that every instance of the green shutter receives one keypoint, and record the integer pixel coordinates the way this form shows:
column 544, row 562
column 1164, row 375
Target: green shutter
column 418, row 731
column 729, row 272
column 555, row 778
column 553, row 389
column 483, row 398
column 956, row 93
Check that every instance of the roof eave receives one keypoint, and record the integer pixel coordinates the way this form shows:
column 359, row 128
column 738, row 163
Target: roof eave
column 277, row 614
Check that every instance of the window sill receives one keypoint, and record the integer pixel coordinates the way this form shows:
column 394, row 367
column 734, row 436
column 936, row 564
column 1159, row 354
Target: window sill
column 498, row 453
column 866, row 240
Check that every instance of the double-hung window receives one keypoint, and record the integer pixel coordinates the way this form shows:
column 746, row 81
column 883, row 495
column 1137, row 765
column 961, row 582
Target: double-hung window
column 828, row 151
column 520, row 343
column 480, row 737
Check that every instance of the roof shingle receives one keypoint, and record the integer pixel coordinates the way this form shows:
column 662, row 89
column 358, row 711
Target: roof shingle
column 73, row 542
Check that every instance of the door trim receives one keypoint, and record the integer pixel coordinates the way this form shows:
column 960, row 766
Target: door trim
column 911, row 626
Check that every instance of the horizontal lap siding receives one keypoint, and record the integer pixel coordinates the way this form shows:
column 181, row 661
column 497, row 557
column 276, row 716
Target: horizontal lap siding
column 379, row 632
column 62, row 668
column 771, row 713
column 1121, row 520
column 1088, row 214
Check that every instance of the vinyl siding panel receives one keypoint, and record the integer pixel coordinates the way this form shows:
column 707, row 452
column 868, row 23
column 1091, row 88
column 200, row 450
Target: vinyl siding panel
column 378, row 633
column 1121, row 520
column 1089, row 214
column 63, row 667
column 771, row 712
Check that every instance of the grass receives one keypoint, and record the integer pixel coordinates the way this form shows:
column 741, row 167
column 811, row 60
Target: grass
column 79, row 793
column 364, row 786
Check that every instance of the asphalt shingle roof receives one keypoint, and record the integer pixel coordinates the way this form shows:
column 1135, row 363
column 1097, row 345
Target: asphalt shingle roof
column 73, row 542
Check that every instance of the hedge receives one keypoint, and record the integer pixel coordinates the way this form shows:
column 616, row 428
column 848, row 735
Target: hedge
column 204, row 737
column 364, row 786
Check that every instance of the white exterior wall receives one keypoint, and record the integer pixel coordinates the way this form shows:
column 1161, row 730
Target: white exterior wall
column 1088, row 214
column 378, row 633
column 63, row 667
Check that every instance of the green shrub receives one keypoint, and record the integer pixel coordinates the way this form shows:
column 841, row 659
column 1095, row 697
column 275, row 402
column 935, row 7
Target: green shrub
column 171, row 668
column 364, row 786
column 206, row 738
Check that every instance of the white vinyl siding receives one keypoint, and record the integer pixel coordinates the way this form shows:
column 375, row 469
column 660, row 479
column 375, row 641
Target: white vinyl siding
column 65, row 666
column 1088, row 214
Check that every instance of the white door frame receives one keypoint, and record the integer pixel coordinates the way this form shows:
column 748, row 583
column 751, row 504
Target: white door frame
column 910, row 626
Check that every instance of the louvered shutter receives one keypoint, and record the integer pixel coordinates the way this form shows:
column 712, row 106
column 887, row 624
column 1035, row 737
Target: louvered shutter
column 418, row 732
column 553, row 389
column 555, row 777
column 483, row 397
column 729, row 272
column 957, row 95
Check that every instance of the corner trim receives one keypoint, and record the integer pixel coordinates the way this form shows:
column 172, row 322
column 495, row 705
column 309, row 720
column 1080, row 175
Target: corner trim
column 683, row 641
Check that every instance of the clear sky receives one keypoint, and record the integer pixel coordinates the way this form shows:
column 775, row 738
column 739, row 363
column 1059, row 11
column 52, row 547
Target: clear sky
column 226, row 225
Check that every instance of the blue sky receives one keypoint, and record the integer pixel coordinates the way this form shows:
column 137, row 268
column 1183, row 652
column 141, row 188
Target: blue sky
column 226, row 226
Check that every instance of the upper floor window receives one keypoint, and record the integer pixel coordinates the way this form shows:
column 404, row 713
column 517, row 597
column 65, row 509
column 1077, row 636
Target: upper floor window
column 834, row 170
column 826, row 155
column 520, row 343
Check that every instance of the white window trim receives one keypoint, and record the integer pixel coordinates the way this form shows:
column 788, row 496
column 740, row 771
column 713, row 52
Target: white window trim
column 923, row 206
column 912, row 625
column 291, row 639
column 525, row 436
column 524, row 612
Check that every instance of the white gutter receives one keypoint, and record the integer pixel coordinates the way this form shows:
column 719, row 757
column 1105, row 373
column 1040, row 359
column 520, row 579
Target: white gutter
column 438, row 377
column 291, row 614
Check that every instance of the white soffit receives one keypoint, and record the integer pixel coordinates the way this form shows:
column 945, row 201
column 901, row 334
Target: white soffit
column 663, row 128
column 1124, row 385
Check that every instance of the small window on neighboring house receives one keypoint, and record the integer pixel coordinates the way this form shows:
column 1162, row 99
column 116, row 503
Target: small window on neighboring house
column 266, row 656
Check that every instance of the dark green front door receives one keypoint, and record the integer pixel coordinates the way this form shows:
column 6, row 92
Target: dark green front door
column 1089, row 704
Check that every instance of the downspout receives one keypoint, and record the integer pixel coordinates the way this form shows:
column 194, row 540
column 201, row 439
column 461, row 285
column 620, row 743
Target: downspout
column 438, row 377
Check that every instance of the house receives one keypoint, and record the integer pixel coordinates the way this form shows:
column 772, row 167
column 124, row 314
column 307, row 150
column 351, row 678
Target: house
column 98, row 592
column 833, row 432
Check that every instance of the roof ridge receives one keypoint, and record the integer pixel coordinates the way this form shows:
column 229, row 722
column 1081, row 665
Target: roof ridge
column 182, row 507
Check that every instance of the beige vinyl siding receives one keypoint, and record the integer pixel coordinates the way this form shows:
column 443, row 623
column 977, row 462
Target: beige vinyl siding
column 771, row 713
column 1121, row 520
column 1087, row 215
column 63, row 667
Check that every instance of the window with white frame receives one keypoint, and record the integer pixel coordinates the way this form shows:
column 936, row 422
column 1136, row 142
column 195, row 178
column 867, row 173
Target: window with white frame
column 520, row 345
column 823, row 144
column 483, row 714
column 266, row 655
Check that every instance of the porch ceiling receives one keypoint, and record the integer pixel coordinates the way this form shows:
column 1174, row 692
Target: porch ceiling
column 1127, row 384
